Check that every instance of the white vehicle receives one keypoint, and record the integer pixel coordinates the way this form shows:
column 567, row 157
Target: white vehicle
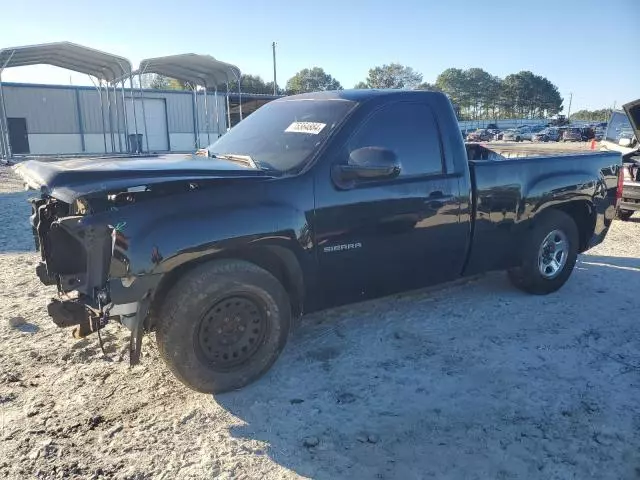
column 525, row 133
column 518, row 134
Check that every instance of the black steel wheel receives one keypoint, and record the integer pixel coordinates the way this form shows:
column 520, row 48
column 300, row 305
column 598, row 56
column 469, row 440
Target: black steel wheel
column 231, row 331
column 223, row 325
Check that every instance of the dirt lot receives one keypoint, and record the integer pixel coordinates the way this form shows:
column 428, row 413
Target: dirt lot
column 471, row 381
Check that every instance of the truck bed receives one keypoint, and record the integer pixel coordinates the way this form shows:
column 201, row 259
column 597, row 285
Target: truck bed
column 508, row 193
column 502, row 151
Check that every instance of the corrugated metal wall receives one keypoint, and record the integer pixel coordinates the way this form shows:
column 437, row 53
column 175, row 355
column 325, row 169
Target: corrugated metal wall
column 47, row 110
column 55, row 110
column 69, row 119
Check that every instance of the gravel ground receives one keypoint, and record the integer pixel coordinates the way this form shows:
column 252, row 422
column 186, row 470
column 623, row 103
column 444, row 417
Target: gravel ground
column 474, row 381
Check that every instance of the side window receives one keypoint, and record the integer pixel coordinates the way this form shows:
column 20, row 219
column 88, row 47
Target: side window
column 410, row 131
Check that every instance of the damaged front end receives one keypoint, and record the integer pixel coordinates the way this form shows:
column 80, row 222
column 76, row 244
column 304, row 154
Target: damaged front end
column 104, row 269
column 79, row 256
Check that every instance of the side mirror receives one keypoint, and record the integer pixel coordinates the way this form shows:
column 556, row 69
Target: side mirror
column 367, row 164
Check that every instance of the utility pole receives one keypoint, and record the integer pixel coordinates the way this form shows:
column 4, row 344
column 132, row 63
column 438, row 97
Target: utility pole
column 569, row 110
column 275, row 83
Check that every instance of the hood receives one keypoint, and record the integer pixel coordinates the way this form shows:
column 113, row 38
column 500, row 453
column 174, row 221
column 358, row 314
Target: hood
column 73, row 178
column 632, row 109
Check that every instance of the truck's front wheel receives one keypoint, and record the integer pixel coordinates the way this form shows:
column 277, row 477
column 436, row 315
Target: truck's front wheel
column 549, row 254
column 223, row 325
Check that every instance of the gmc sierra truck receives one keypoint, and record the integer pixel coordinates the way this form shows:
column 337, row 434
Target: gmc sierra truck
column 313, row 201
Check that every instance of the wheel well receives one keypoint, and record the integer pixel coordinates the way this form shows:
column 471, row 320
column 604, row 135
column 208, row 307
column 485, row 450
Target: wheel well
column 582, row 213
column 278, row 261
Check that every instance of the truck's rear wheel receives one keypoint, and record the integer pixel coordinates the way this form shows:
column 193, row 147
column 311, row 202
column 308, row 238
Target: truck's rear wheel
column 549, row 254
column 625, row 214
column 223, row 325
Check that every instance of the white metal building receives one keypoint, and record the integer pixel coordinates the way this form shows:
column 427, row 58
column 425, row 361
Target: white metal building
column 57, row 119
column 109, row 118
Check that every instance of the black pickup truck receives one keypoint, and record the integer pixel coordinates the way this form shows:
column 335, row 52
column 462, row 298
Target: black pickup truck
column 313, row 201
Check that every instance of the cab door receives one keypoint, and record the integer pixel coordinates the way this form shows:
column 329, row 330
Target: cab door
column 381, row 237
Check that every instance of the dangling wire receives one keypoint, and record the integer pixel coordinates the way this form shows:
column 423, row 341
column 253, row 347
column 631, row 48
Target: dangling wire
column 102, row 322
column 104, row 354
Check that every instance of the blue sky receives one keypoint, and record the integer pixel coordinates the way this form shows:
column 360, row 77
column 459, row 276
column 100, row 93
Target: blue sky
column 579, row 45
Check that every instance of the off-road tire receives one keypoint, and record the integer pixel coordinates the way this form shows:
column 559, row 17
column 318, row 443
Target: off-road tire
column 182, row 313
column 527, row 276
column 625, row 215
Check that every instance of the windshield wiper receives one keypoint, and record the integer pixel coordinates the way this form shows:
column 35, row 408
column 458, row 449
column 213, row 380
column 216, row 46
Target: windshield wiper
column 241, row 159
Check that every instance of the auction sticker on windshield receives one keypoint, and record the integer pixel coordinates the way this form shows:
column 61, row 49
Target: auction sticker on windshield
column 306, row 127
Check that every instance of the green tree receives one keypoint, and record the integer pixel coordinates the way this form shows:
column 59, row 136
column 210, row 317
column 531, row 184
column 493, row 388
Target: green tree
column 477, row 94
column 525, row 94
column 453, row 82
column 312, row 80
column 392, row 75
column 360, row 85
column 480, row 87
column 279, row 91
column 157, row 82
column 431, row 87
column 601, row 115
column 160, row 82
column 249, row 84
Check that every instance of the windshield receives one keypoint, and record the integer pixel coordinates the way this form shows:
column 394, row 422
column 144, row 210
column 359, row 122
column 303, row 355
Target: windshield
column 619, row 127
column 284, row 134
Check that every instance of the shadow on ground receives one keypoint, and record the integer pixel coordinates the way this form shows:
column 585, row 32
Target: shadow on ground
column 475, row 381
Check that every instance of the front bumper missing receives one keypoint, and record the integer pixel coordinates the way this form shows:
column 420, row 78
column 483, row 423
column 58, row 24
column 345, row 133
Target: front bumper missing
column 85, row 259
column 85, row 320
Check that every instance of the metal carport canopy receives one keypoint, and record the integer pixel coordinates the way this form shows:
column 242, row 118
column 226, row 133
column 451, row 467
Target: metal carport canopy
column 203, row 70
column 101, row 65
column 71, row 56
column 197, row 70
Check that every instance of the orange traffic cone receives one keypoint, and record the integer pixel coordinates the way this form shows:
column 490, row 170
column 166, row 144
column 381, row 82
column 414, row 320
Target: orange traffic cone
column 593, row 144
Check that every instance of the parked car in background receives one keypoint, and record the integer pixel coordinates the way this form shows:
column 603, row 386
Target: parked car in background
column 599, row 133
column 547, row 135
column 494, row 133
column 572, row 134
column 541, row 136
column 511, row 135
column 526, row 133
column 480, row 135
column 492, row 126
column 587, row 133
column 517, row 134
